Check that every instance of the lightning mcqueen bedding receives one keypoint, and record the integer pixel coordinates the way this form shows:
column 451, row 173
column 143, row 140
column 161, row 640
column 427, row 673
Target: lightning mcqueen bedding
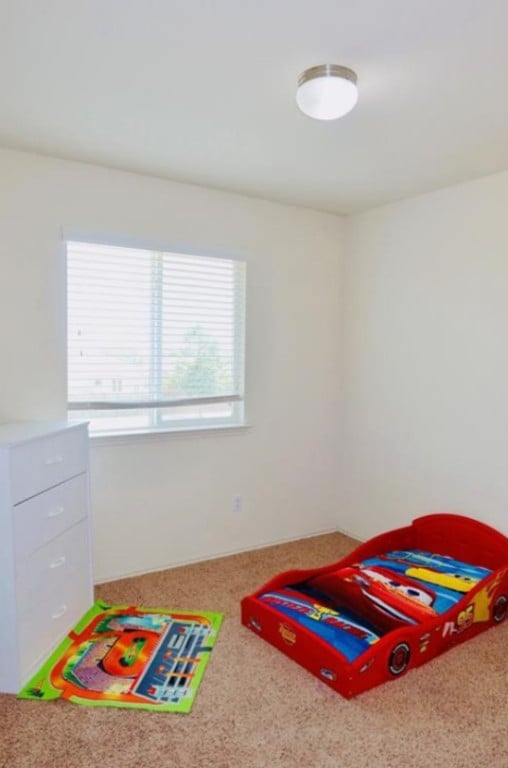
column 395, row 602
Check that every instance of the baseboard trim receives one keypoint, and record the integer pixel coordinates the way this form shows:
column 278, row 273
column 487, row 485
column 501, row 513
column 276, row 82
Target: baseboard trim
column 350, row 535
column 216, row 555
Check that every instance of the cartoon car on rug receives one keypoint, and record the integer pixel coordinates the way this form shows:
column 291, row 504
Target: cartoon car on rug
column 128, row 656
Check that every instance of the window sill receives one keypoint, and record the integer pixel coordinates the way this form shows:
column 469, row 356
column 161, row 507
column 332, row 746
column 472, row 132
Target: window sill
column 148, row 436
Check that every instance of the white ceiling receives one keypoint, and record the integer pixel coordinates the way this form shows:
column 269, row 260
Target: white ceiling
column 203, row 91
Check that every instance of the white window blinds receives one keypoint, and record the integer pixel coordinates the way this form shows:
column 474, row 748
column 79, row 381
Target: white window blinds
column 155, row 339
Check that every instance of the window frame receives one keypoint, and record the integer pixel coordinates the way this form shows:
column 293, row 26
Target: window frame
column 158, row 412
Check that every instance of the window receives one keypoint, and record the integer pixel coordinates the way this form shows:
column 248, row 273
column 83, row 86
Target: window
column 155, row 340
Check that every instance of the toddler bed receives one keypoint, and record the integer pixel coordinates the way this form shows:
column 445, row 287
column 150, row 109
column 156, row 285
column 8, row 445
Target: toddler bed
column 393, row 603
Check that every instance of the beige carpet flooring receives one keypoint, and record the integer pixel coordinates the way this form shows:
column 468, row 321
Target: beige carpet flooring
column 257, row 709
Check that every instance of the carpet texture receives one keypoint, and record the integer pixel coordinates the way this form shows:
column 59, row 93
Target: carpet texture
column 257, row 709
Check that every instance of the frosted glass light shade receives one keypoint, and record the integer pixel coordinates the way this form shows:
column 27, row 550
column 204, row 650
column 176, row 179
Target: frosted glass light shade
column 327, row 91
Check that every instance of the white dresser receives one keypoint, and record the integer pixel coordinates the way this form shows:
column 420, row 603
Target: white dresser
column 46, row 581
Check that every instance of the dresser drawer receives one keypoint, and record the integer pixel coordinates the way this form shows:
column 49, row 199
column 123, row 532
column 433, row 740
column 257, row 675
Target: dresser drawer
column 46, row 569
column 46, row 581
column 44, row 517
column 43, row 627
column 42, row 463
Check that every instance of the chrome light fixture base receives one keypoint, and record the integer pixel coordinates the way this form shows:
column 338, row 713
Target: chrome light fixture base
column 327, row 91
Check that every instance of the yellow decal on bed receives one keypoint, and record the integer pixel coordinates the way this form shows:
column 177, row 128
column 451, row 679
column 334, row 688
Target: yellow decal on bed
column 448, row 580
column 287, row 634
column 482, row 601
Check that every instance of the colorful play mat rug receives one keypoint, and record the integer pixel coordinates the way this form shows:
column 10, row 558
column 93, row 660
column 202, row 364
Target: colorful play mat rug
column 125, row 656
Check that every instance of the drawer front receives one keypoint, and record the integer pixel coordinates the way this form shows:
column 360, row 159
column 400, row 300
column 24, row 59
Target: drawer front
column 46, row 624
column 42, row 463
column 46, row 569
column 46, row 516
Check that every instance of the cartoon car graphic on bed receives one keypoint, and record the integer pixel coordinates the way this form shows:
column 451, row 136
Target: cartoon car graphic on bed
column 383, row 597
column 394, row 603
column 440, row 570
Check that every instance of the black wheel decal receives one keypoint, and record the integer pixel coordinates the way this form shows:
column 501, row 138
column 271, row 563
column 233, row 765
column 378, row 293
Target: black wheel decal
column 500, row 608
column 399, row 659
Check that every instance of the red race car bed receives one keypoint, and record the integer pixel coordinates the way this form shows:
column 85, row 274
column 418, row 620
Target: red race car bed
column 393, row 603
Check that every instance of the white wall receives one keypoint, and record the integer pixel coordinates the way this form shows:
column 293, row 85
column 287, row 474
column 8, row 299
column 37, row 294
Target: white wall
column 425, row 343
column 375, row 395
column 166, row 501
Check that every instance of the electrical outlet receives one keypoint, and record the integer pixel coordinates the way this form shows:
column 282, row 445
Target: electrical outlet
column 237, row 504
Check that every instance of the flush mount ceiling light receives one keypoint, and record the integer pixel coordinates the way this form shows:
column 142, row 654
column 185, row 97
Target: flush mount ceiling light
column 327, row 91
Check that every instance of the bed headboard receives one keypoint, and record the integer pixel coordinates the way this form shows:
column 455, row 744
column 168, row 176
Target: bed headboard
column 462, row 538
